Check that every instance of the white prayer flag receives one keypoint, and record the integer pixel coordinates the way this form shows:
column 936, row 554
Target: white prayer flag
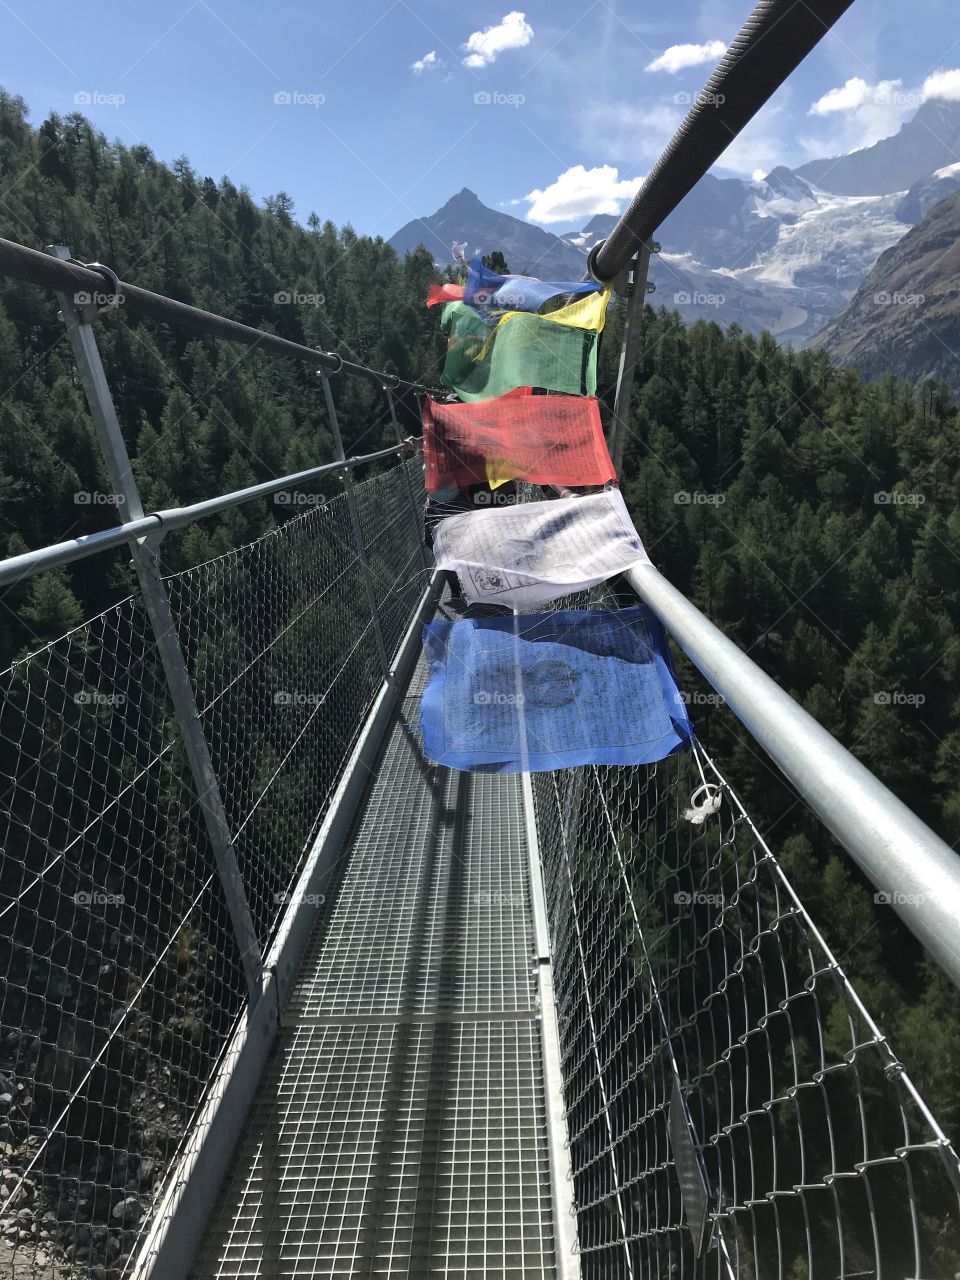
column 538, row 551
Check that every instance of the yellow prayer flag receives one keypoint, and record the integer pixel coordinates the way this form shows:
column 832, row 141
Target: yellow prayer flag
column 586, row 313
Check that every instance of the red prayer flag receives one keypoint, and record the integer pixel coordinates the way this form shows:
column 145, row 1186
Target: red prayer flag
column 445, row 293
column 542, row 439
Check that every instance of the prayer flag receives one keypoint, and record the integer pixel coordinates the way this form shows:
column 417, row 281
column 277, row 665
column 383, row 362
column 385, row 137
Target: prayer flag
column 541, row 691
column 585, row 313
column 538, row 551
column 542, row 439
column 486, row 288
column 523, row 350
column 444, row 293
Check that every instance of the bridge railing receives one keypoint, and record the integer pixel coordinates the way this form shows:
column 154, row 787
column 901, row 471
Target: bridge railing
column 165, row 771
column 733, row 1109
column 714, row 1051
column 121, row 974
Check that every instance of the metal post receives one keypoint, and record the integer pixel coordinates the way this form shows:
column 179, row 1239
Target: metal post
column 146, row 560
column 414, row 509
column 357, row 531
column 632, row 330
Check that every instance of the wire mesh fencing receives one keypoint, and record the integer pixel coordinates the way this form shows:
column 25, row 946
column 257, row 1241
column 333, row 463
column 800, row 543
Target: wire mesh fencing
column 119, row 974
column 732, row 1108
column 280, row 644
column 120, row 977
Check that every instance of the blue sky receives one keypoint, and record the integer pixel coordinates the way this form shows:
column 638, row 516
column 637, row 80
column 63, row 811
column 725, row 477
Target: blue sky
column 375, row 113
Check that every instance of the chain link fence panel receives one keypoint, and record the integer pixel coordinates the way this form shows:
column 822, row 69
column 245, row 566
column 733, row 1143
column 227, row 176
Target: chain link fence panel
column 119, row 974
column 120, row 978
column 718, row 1065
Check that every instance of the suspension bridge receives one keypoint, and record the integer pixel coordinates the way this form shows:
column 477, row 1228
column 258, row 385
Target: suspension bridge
column 281, row 997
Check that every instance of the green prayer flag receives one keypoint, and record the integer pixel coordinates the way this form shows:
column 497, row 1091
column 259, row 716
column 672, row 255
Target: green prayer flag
column 485, row 361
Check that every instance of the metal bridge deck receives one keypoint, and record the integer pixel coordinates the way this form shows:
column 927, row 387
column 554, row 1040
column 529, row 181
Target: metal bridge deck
column 400, row 1128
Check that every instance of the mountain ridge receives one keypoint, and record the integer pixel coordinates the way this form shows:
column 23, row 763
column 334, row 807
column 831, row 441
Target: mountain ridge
column 528, row 248
column 905, row 317
column 927, row 142
column 785, row 253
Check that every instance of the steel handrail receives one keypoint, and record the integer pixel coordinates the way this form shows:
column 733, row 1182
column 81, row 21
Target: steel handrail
column 912, row 869
column 159, row 523
column 770, row 45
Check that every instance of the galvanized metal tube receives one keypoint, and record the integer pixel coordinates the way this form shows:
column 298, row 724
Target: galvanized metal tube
column 629, row 351
column 372, row 603
column 917, row 873
column 62, row 275
column 415, row 513
column 159, row 522
column 157, row 603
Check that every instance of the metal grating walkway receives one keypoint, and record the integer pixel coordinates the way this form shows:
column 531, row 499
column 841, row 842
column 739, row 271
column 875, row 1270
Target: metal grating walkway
column 400, row 1128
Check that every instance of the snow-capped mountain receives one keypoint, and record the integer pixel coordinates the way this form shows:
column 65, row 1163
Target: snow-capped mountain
column 928, row 141
column 904, row 317
column 785, row 253
column 805, row 249
column 923, row 195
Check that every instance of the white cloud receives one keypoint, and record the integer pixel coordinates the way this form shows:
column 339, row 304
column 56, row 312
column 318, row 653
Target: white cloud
column 856, row 93
column 513, row 32
column 679, row 56
column 579, row 193
column 943, row 84
column 862, row 114
column 428, row 62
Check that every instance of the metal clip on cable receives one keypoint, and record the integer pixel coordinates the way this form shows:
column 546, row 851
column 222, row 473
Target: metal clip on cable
column 85, row 301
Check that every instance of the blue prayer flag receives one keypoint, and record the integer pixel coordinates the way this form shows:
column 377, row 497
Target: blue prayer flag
column 540, row 691
column 487, row 289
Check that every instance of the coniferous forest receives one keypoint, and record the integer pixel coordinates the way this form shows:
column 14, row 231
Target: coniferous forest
column 812, row 516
